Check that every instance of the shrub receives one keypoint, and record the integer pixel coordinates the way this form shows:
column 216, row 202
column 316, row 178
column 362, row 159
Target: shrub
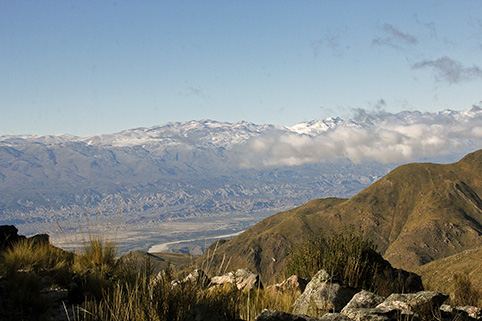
column 464, row 292
column 351, row 258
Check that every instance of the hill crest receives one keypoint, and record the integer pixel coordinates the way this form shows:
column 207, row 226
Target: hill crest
column 417, row 213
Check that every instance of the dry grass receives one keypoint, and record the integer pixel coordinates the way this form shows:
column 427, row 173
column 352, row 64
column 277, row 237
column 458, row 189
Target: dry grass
column 464, row 292
column 33, row 257
column 348, row 257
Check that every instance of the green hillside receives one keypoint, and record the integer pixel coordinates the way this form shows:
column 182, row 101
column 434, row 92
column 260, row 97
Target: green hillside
column 417, row 213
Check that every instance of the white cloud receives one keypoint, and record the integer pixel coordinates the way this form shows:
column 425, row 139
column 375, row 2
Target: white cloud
column 382, row 137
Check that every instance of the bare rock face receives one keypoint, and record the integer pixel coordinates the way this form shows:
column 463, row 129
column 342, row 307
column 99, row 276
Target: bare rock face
column 323, row 294
column 294, row 284
column 244, row 280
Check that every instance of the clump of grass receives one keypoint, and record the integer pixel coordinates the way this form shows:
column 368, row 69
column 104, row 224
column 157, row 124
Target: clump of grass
column 34, row 257
column 98, row 255
column 30, row 266
column 464, row 292
column 96, row 266
column 161, row 301
column 348, row 256
column 254, row 302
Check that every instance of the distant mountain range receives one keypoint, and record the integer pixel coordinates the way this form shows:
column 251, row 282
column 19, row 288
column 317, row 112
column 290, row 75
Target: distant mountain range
column 204, row 168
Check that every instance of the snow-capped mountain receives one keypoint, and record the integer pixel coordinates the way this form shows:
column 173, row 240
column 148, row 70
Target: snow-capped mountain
column 202, row 168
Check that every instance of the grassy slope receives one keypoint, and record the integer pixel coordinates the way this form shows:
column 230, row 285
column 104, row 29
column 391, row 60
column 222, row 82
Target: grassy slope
column 416, row 214
column 439, row 274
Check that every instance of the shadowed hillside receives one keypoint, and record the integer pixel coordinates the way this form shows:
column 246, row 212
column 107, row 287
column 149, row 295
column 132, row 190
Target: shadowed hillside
column 416, row 214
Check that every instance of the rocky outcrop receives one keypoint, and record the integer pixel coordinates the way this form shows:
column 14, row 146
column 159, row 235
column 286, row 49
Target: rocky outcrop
column 243, row 279
column 8, row 236
column 198, row 277
column 293, row 284
column 323, row 294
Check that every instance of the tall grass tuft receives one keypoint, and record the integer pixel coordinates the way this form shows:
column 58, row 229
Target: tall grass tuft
column 30, row 266
column 34, row 257
column 349, row 257
column 464, row 292
column 98, row 255
column 96, row 266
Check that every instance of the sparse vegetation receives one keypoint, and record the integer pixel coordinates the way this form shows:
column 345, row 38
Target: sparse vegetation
column 464, row 292
column 350, row 258
column 113, row 289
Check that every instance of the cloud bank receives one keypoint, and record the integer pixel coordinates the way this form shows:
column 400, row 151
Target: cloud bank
column 381, row 137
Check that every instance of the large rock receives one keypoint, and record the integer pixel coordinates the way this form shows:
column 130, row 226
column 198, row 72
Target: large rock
column 364, row 300
column 323, row 294
column 293, row 284
column 460, row 312
column 420, row 302
column 334, row 317
column 8, row 236
column 374, row 314
column 244, row 280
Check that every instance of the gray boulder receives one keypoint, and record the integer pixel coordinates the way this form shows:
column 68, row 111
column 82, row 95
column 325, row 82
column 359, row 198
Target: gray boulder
column 420, row 302
column 323, row 294
column 364, row 299
column 375, row 314
column 460, row 312
column 244, row 280
column 335, row 317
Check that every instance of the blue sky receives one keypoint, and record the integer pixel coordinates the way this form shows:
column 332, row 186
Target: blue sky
column 92, row 67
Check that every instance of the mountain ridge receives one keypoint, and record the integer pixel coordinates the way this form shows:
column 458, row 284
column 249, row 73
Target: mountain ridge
column 416, row 214
column 203, row 168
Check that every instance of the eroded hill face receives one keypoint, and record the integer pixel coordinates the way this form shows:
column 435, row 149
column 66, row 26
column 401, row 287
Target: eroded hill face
column 416, row 214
